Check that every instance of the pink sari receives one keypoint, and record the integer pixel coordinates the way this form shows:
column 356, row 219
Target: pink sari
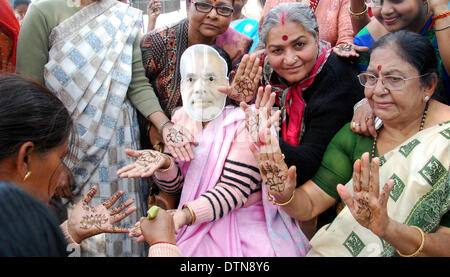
column 245, row 231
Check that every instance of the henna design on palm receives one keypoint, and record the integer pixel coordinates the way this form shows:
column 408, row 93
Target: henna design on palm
column 175, row 136
column 274, row 175
column 245, row 87
column 96, row 220
column 148, row 157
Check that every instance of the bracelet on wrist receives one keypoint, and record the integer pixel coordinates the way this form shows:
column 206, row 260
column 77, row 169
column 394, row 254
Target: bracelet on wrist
column 191, row 212
column 359, row 104
column 443, row 28
column 360, row 14
column 280, row 204
column 161, row 127
column 439, row 16
column 162, row 242
column 422, row 235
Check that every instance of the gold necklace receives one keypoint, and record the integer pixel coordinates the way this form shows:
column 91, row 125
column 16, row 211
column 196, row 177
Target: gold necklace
column 422, row 124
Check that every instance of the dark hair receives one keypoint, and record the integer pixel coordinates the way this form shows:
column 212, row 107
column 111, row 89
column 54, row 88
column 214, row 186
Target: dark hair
column 415, row 49
column 188, row 3
column 30, row 112
column 27, row 226
column 21, row 2
column 224, row 55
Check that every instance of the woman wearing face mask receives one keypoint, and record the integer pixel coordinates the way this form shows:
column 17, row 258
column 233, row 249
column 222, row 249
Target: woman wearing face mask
column 221, row 211
column 36, row 142
column 315, row 89
column 207, row 23
column 429, row 18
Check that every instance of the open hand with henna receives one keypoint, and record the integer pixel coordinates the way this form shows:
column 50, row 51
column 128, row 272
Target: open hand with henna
column 178, row 141
column 347, row 50
column 245, row 82
column 260, row 117
column 147, row 162
column 280, row 181
column 367, row 205
column 86, row 221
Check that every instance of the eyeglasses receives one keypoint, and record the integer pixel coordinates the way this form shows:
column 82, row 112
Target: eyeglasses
column 392, row 82
column 205, row 7
column 374, row 3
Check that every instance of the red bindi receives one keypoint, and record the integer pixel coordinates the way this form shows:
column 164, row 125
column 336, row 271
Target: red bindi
column 379, row 67
column 285, row 37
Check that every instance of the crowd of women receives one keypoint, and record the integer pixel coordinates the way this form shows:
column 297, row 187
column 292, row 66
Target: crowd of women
column 330, row 136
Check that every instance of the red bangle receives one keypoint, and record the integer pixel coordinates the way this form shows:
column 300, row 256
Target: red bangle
column 441, row 15
column 163, row 242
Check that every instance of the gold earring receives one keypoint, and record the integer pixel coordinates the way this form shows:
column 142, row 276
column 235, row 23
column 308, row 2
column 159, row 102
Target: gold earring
column 27, row 175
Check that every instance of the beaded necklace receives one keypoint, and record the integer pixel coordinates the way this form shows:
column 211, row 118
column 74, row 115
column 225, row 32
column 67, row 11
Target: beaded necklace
column 422, row 124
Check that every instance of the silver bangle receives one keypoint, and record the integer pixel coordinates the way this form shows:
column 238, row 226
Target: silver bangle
column 359, row 104
column 443, row 28
column 160, row 129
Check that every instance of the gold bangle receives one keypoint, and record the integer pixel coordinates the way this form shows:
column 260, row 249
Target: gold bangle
column 192, row 214
column 360, row 14
column 280, row 204
column 420, row 247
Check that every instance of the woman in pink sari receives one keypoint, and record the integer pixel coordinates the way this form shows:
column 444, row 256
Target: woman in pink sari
column 223, row 210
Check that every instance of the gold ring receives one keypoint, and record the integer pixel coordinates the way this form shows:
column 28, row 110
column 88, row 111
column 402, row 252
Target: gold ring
column 368, row 118
column 354, row 124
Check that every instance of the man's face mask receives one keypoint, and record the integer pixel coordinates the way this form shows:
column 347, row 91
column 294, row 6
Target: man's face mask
column 203, row 70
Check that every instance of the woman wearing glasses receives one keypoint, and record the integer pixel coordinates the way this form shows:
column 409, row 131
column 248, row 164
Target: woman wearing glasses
column 396, row 185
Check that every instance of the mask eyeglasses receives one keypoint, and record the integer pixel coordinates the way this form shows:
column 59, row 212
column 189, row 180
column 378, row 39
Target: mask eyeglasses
column 205, row 7
column 392, row 82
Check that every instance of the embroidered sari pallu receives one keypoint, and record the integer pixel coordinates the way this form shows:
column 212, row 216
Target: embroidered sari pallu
column 420, row 196
column 89, row 69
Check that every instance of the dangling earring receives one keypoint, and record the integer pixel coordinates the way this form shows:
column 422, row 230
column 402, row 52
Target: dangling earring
column 27, row 176
column 427, row 98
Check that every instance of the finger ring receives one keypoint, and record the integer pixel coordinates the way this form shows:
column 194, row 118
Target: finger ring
column 354, row 124
column 368, row 118
column 282, row 157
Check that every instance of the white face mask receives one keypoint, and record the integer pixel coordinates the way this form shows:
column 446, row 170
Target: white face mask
column 203, row 70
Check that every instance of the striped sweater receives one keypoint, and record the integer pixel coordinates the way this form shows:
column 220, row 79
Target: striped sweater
column 238, row 186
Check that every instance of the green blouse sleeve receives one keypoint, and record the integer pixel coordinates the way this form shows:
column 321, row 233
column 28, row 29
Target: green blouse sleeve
column 140, row 92
column 337, row 163
column 32, row 45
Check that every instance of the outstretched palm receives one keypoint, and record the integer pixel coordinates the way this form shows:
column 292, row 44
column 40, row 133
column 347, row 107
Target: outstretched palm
column 147, row 162
column 245, row 82
column 367, row 205
column 86, row 221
